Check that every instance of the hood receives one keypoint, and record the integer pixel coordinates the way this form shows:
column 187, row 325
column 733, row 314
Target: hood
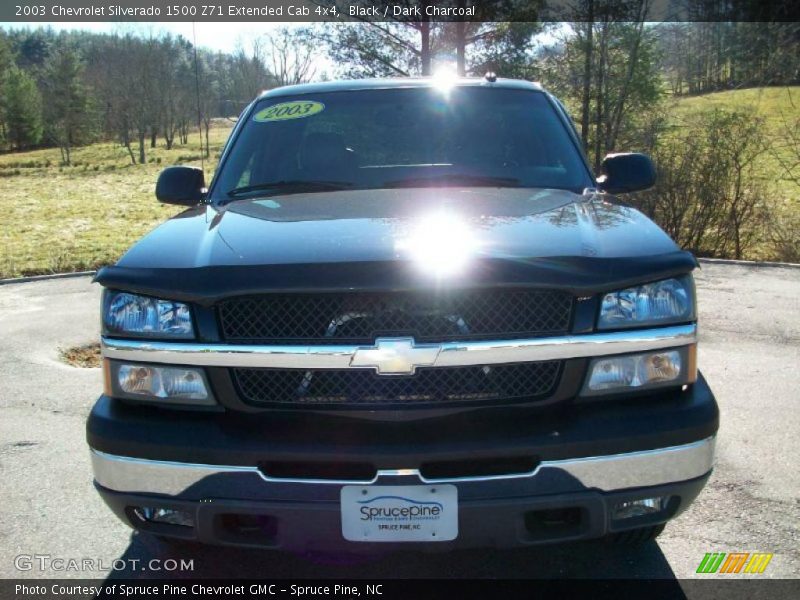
column 385, row 225
column 444, row 234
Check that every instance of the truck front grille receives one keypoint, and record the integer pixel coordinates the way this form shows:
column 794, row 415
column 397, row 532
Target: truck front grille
column 361, row 317
column 364, row 387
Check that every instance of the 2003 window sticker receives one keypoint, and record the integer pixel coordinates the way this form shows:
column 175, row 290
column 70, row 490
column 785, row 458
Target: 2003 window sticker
column 297, row 109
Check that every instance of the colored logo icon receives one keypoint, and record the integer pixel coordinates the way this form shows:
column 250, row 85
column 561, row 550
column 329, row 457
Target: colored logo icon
column 735, row 562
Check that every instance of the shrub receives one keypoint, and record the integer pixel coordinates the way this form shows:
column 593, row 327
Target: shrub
column 708, row 196
column 784, row 235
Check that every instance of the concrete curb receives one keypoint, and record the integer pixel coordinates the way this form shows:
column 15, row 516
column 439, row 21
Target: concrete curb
column 749, row 263
column 46, row 277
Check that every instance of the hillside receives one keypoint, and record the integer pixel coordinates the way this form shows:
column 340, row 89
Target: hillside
column 777, row 106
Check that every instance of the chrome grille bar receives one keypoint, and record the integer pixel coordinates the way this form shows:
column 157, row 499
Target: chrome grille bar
column 447, row 354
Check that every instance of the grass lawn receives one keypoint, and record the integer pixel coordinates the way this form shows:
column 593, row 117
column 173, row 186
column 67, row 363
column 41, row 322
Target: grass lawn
column 60, row 219
column 771, row 103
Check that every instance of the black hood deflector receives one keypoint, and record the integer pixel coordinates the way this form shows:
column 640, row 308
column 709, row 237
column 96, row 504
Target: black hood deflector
column 577, row 274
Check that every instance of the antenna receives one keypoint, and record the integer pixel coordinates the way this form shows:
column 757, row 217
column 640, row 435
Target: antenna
column 197, row 90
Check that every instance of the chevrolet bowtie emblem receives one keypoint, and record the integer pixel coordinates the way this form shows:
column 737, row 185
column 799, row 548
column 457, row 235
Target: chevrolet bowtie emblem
column 395, row 356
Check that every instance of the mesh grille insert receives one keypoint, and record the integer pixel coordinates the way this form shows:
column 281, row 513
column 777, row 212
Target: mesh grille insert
column 361, row 317
column 363, row 387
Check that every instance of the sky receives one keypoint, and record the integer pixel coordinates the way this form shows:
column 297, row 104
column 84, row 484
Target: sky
column 215, row 36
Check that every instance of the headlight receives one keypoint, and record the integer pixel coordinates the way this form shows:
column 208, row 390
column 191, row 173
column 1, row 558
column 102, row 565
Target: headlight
column 161, row 384
column 140, row 316
column 659, row 303
column 641, row 371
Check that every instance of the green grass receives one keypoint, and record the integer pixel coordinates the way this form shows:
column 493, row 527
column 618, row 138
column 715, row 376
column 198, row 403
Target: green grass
column 771, row 103
column 59, row 219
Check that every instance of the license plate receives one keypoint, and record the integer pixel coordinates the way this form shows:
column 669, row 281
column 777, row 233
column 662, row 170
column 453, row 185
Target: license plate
column 399, row 513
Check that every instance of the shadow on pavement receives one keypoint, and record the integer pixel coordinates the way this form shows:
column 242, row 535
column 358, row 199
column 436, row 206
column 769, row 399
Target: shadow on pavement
column 591, row 560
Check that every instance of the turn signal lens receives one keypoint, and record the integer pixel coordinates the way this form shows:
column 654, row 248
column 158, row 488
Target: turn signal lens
column 634, row 371
column 661, row 367
column 178, row 385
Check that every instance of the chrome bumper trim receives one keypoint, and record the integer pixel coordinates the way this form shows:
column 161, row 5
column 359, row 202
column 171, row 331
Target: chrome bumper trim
column 606, row 473
column 448, row 354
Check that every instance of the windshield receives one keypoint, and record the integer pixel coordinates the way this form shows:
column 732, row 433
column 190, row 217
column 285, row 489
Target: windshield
column 417, row 137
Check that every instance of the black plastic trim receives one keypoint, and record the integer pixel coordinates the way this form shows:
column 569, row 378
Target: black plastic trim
column 669, row 418
column 570, row 378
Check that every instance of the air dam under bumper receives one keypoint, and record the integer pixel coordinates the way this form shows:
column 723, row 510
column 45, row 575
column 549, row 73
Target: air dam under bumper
column 501, row 511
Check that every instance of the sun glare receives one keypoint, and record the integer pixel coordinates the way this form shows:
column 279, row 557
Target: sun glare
column 440, row 244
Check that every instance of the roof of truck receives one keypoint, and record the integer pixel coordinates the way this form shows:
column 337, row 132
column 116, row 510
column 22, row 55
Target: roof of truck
column 398, row 82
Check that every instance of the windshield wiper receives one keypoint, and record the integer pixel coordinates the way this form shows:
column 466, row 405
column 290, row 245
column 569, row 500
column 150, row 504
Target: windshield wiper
column 294, row 186
column 456, row 179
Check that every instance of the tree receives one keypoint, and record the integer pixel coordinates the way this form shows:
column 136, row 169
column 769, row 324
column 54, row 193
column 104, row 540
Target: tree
column 499, row 39
column 712, row 55
column 290, row 57
column 31, row 47
column 249, row 74
column 205, row 99
column 115, row 69
column 405, row 47
column 387, row 49
column 144, row 90
column 504, row 48
column 401, row 46
column 67, row 111
column 623, row 85
column 6, row 62
column 23, row 109
column 174, row 97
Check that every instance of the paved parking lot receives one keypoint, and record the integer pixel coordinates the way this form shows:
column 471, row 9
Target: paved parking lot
column 749, row 352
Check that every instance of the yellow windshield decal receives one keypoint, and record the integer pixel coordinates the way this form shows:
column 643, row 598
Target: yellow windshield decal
column 289, row 110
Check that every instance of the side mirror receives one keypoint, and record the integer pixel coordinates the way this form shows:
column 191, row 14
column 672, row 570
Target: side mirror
column 626, row 172
column 181, row 185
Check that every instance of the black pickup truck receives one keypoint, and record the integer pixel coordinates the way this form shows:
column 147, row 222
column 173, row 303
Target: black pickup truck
column 404, row 313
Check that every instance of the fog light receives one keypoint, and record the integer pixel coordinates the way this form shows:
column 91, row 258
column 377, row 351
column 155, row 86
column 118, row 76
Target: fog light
column 639, row 508
column 634, row 371
column 165, row 515
column 179, row 385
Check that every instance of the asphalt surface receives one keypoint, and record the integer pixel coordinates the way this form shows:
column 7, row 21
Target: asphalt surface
column 749, row 352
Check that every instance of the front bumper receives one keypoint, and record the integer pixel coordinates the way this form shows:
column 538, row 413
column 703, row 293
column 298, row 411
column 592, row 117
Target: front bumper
column 587, row 459
column 315, row 525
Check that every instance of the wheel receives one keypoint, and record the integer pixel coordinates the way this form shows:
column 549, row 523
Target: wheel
column 636, row 536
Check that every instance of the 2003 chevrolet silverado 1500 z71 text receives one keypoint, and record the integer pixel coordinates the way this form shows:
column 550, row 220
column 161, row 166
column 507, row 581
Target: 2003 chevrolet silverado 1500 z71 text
column 403, row 312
